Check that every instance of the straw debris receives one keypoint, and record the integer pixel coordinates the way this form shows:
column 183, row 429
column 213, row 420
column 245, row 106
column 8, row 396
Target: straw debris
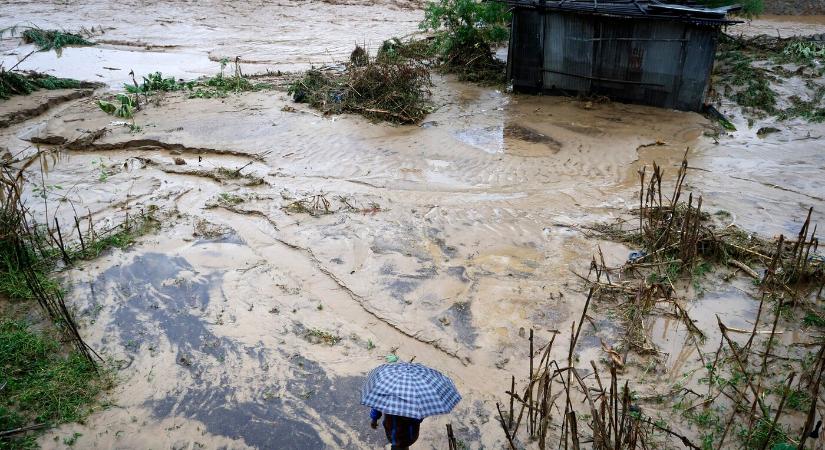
column 393, row 91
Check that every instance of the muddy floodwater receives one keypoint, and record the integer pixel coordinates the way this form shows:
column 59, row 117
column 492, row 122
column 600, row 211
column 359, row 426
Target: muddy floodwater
column 244, row 323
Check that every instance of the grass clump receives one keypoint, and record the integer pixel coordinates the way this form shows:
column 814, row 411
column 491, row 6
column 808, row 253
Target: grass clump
column 24, row 83
column 393, row 91
column 228, row 199
column 316, row 335
column 40, row 384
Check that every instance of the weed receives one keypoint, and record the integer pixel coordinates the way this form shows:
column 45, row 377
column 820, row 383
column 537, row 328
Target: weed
column 16, row 83
column 72, row 440
column 804, row 51
column 758, row 436
column 155, row 82
column 124, row 106
column 749, row 86
column 46, row 40
column 799, row 400
column 42, row 385
column 317, row 335
column 464, row 32
column 227, row 199
column 813, row 320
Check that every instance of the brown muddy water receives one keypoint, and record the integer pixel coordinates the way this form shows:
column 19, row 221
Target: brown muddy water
column 444, row 243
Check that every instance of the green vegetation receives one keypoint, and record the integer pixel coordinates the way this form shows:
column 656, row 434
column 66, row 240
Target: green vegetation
column 227, row 199
column 394, row 50
column 804, row 51
column 747, row 68
column 39, row 384
column 46, row 40
column 392, row 91
column 218, row 86
column 811, row 110
column 322, row 336
column 464, row 31
column 762, row 435
column 813, row 320
column 16, row 83
column 123, row 106
column 748, row 86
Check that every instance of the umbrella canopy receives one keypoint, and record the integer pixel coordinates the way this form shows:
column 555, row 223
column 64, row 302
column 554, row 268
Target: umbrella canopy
column 409, row 390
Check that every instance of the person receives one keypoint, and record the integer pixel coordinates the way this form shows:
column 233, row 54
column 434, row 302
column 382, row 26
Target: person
column 402, row 432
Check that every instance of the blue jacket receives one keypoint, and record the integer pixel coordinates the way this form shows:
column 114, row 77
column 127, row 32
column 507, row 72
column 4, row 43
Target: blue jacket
column 401, row 431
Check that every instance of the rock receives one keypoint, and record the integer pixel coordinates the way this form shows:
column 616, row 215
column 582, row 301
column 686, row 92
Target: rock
column 444, row 321
column 180, row 162
column 764, row 131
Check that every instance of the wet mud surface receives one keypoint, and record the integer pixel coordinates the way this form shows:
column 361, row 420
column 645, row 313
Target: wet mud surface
column 245, row 323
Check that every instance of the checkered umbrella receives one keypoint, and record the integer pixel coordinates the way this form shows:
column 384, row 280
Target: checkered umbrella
column 409, row 390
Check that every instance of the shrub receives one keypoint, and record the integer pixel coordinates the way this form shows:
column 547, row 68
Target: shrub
column 465, row 31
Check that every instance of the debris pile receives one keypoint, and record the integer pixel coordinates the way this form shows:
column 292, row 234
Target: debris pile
column 395, row 91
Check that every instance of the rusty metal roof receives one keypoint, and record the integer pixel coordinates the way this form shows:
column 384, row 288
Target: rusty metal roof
column 651, row 9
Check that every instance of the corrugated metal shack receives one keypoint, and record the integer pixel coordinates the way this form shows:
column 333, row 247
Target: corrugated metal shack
column 637, row 51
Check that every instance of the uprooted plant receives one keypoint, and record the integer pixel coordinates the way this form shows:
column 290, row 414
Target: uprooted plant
column 396, row 91
column 24, row 83
column 46, row 40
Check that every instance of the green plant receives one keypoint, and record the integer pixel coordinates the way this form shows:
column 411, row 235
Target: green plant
column 41, row 384
column 813, row 320
column 322, row 336
column 155, row 82
column 16, row 83
column 804, row 51
column 46, row 40
column 750, row 86
column 72, row 440
column 228, row 199
column 124, row 106
column 464, row 32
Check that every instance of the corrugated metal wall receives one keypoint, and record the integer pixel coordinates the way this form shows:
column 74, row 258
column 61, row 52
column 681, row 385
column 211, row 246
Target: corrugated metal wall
column 654, row 62
column 524, row 57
